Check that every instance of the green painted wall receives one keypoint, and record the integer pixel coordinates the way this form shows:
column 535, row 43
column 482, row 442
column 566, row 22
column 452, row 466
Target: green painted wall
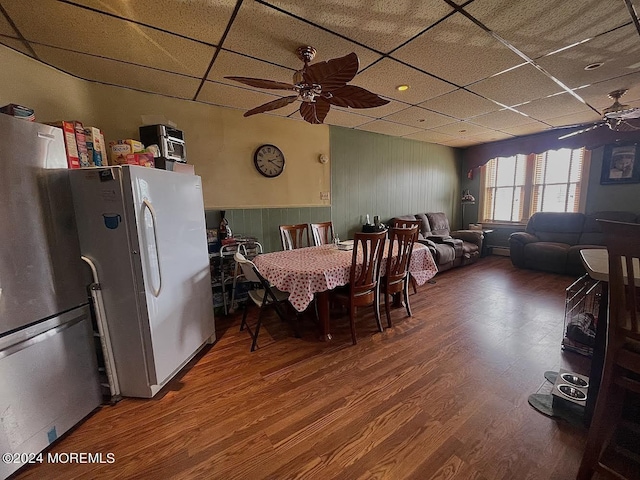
column 609, row 197
column 263, row 223
column 387, row 176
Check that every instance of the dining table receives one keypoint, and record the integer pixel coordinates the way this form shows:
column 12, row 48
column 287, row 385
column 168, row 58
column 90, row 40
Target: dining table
column 312, row 272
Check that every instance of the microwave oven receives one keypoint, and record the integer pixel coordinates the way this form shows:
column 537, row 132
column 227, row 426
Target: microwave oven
column 170, row 141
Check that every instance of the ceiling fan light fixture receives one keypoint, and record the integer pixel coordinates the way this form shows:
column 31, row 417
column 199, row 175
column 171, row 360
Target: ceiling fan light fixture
column 593, row 66
column 403, row 88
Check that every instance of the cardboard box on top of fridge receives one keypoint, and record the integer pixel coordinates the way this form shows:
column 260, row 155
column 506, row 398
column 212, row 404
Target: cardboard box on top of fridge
column 71, row 147
column 119, row 149
column 81, row 142
column 144, row 159
column 95, row 146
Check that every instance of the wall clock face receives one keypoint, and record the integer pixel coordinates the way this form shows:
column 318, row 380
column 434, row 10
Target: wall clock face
column 269, row 160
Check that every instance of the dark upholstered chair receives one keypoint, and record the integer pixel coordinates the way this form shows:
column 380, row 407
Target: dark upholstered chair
column 621, row 372
column 552, row 240
column 449, row 248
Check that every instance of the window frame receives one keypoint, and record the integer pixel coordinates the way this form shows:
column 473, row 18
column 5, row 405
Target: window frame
column 528, row 207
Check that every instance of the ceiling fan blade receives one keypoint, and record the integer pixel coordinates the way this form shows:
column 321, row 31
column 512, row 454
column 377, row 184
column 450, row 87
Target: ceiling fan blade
column 272, row 105
column 578, row 132
column 262, row 83
column 332, row 74
column 629, row 125
column 355, row 97
column 315, row 112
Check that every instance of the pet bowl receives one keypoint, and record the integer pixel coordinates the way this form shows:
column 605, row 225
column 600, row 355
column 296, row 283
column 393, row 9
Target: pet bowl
column 572, row 392
column 574, row 380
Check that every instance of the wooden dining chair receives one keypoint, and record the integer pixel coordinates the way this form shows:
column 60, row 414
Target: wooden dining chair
column 396, row 276
column 364, row 285
column 621, row 372
column 294, row 236
column 405, row 223
column 264, row 296
column 322, row 233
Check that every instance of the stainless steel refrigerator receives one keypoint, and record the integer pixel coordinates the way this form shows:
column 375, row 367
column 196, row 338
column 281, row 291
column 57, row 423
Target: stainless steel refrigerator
column 48, row 371
column 144, row 229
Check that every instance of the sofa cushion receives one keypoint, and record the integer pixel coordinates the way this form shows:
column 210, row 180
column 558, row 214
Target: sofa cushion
column 444, row 254
column 591, row 233
column 425, row 228
column 556, row 227
column 439, row 223
column 547, row 256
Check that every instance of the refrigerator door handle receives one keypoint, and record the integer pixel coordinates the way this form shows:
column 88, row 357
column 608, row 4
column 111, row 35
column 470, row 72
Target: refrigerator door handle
column 147, row 204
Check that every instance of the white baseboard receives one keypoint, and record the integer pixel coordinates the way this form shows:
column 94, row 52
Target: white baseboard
column 502, row 251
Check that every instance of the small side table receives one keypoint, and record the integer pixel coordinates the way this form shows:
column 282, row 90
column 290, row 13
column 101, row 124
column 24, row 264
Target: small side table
column 486, row 249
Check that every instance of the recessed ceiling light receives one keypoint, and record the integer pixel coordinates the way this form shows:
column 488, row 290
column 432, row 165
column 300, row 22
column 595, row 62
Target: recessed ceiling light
column 593, row 66
column 402, row 88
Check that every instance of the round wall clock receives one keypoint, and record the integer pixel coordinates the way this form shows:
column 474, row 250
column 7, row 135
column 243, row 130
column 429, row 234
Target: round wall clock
column 269, row 160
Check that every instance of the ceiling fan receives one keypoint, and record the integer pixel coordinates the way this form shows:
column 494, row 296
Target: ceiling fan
column 618, row 117
column 317, row 86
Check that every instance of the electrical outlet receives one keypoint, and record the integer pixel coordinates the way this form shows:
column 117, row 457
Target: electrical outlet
column 324, row 195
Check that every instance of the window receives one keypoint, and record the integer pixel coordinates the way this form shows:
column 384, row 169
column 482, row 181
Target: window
column 516, row 187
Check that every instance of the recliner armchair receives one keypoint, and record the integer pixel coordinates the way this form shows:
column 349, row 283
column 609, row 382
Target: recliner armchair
column 449, row 249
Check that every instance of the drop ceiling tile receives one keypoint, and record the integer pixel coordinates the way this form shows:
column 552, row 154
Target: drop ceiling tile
column 232, row 64
column 273, row 36
column 526, row 129
column 549, row 107
column 461, row 129
column 430, row 136
column 618, row 50
column 6, row 28
column 574, row 119
column 458, row 51
column 89, row 32
column 388, row 128
column 597, row 94
column 516, row 86
column 344, row 118
column 489, row 137
column 204, row 21
column 419, row 118
column 16, row 45
column 111, row 72
column 460, row 104
column 501, row 120
column 461, row 142
column 537, row 28
column 234, row 97
column 383, row 78
column 383, row 26
column 380, row 112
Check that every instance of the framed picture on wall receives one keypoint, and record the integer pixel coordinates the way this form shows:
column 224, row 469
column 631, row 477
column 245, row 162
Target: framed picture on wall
column 620, row 164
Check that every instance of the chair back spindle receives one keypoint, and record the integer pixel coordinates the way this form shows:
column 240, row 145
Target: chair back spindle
column 294, row 236
column 322, row 233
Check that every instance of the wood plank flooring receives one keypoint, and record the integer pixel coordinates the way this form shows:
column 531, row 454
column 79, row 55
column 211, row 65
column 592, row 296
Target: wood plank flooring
column 441, row 395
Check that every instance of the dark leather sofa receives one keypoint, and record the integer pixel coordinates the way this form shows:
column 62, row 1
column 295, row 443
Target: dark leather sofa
column 552, row 241
column 449, row 249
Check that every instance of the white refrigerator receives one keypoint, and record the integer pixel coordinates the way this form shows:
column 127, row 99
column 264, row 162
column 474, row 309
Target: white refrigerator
column 144, row 229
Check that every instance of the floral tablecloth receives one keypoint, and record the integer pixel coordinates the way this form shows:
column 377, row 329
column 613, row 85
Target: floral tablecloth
column 304, row 271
